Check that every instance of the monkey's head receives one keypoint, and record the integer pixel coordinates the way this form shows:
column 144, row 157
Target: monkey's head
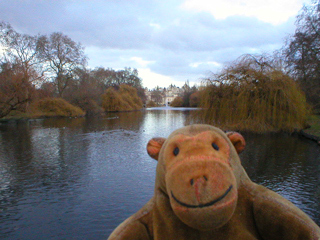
column 199, row 171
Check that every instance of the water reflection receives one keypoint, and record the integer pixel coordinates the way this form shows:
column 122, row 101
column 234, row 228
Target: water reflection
column 79, row 178
column 38, row 162
column 288, row 165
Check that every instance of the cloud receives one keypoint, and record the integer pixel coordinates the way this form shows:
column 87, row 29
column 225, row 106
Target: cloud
column 197, row 64
column 270, row 11
column 152, row 79
column 141, row 62
column 172, row 40
column 201, row 32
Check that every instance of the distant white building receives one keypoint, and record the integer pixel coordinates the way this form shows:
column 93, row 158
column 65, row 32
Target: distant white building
column 164, row 96
column 171, row 93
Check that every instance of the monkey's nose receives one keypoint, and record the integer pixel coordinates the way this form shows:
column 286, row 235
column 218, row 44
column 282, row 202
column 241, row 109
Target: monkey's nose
column 202, row 179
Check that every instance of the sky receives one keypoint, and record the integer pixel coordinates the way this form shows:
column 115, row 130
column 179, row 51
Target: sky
column 168, row 41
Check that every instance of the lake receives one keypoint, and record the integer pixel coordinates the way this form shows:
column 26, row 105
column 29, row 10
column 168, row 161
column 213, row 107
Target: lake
column 79, row 178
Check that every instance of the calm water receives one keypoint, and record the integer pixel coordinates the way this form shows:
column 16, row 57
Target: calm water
column 79, row 178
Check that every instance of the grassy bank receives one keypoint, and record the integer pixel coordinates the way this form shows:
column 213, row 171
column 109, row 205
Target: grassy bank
column 48, row 107
column 314, row 121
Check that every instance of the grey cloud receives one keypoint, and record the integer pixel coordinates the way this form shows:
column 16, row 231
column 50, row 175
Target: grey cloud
column 193, row 35
column 157, row 31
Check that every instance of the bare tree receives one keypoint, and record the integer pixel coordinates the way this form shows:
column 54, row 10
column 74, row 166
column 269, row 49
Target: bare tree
column 62, row 56
column 15, row 92
column 157, row 95
column 21, row 49
column 302, row 52
column 112, row 78
column 20, row 68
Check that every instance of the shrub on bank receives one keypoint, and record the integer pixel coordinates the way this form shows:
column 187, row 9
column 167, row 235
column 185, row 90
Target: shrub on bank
column 123, row 99
column 54, row 107
column 194, row 99
column 151, row 104
column 90, row 107
column 130, row 97
column 111, row 100
column 177, row 102
column 252, row 97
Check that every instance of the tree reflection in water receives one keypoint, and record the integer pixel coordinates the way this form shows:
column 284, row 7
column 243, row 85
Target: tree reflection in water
column 79, row 178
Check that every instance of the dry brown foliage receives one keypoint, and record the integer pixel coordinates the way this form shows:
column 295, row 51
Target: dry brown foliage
column 194, row 99
column 251, row 95
column 177, row 102
column 151, row 104
column 123, row 99
column 54, row 107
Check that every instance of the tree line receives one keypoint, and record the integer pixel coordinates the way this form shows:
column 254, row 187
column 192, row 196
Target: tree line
column 253, row 94
column 298, row 59
column 302, row 53
column 35, row 67
column 268, row 92
column 48, row 66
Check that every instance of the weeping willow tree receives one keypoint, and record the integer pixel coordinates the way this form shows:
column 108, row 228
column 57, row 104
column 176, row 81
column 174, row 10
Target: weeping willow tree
column 125, row 98
column 252, row 95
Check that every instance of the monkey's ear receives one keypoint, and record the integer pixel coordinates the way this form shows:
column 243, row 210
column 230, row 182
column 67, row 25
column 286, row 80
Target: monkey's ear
column 153, row 147
column 237, row 140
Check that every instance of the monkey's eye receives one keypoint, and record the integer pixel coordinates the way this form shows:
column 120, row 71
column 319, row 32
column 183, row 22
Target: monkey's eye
column 215, row 146
column 176, row 151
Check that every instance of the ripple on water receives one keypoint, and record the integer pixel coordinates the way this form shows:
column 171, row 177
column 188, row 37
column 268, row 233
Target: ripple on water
column 79, row 178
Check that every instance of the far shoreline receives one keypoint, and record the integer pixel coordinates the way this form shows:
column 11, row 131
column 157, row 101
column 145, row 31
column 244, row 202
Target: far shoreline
column 312, row 132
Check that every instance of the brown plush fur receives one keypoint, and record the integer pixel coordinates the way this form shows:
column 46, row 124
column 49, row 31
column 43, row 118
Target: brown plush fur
column 203, row 192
